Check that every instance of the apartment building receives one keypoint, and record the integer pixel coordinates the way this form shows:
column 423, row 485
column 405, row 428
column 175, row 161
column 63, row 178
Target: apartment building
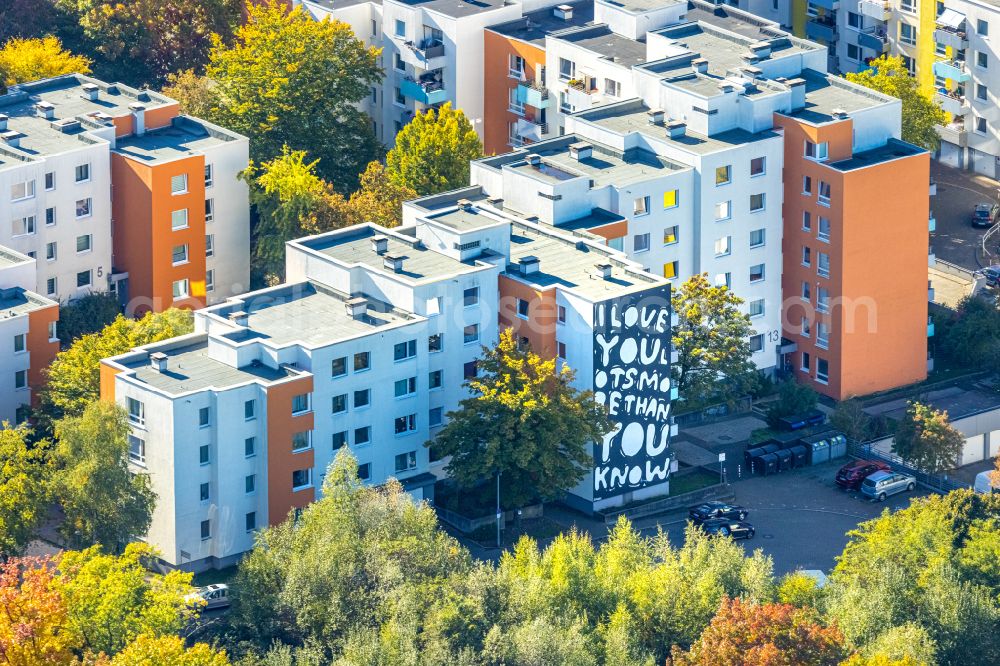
column 28, row 335
column 110, row 189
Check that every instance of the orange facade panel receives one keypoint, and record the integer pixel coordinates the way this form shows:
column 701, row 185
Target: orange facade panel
column 108, row 374
column 498, row 84
column 282, row 460
column 41, row 349
column 539, row 328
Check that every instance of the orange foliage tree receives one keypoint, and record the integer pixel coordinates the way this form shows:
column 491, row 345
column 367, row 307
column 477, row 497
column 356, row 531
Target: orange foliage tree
column 33, row 615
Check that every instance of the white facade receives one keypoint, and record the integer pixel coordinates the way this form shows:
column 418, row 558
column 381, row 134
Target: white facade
column 229, row 261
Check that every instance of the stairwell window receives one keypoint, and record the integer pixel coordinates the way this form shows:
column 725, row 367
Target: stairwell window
column 806, row 291
column 83, row 279
column 84, row 208
column 723, row 246
column 822, row 299
column 822, row 370
column 723, row 175
column 822, row 335
column 136, row 450
column 136, row 412
column 806, row 255
column 209, row 180
column 301, row 479
column 823, row 232
column 209, row 245
column 723, row 210
column 757, row 238
column 823, row 264
column 301, row 440
column 470, row 334
column 516, row 67
column 84, row 243
column 210, row 280
column 807, row 186
column 82, row 173
column 670, row 270
column 179, row 255
column 757, row 273
column 640, row 206
column 640, row 243
column 757, row 166
column 300, row 404
column 400, row 28
column 757, row 308
column 514, row 105
column 670, row 235
column 982, row 59
column 209, row 210
column 804, row 327
column 671, row 199
column 824, row 194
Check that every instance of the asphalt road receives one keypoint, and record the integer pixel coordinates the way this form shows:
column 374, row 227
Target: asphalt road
column 958, row 192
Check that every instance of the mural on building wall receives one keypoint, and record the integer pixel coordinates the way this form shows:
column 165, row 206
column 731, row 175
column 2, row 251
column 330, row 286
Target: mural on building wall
column 632, row 378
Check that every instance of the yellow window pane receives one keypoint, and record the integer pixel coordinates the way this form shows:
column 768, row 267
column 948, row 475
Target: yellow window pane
column 670, row 199
column 669, row 235
column 670, row 270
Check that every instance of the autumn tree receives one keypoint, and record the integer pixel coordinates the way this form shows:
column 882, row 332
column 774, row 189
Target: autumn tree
column 712, row 339
column 24, row 60
column 764, row 635
column 149, row 650
column 24, row 479
column 87, row 314
column 103, row 501
column 925, row 439
column 524, row 421
column 31, row 18
column 379, row 199
column 290, row 80
column 850, row 418
column 33, row 615
column 432, row 152
column 920, row 113
column 192, row 92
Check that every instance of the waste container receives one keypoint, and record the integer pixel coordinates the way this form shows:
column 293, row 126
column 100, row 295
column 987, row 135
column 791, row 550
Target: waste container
column 818, row 447
column 838, row 446
column 768, row 464
column 784, row 459
column 800, row 457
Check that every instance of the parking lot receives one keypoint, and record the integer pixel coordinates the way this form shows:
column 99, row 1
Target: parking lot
column 958, row 192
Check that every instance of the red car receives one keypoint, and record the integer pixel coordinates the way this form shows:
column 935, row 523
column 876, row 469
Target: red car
column 853, row 473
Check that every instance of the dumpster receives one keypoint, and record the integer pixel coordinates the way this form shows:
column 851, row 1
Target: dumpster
column 757, row 451
column 784, row 459
column 800, row 421
column 818, row 447
column 800, row 457
column 838, row 446
column 768, row 464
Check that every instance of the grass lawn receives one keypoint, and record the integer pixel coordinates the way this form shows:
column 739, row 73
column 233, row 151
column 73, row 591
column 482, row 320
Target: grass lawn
column 213, row 576
column 691, row 482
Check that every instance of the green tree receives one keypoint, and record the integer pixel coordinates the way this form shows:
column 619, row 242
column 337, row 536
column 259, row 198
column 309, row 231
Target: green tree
column 525, row 421
column 799, row 589
column 74, row 378
column 104, row 502
column 850, row 418
column 289, row 80
column 24, row 480
column 433, row 151
column 192, row 92
column 712, row 339
column 379, row 200
column 925, row 439
column 141, row 41
column 971, row 337
column 25, row 60
column 148, row 650
column 85, row 315
column 793, row 398
column 30, row 18
column 920, row 113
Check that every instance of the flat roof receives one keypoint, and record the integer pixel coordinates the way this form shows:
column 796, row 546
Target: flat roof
column 609, row 45
column 354, row 246
column 464, row 219
column 535, row 26
column 709, row 38
column 9, row 257
column 340, row 4
column 598, row 217
column 183, row 137
column 640, row 6
column 455, row 8
column 959, row 401
column 16, row 301
column 826, row 93
column 892, row 150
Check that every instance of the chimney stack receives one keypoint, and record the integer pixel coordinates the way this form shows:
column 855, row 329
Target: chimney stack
column 603, row 270
column 534, row 159
column 356, row 307
column 46, row 110
column 393, row 262
column 528, row 265
column 158, row 361
column 655, row 116
column 139, row 116
column 581, row 150
column 564, row 12
column 3, row 122
column 12, row 138
column 380, row 244
column 90, row 91
column 700, row 65
column 676, row 129
column 239, row 317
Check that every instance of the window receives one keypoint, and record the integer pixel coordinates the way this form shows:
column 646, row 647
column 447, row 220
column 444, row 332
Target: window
column 822, row 299
column 301, row 478
column 469, row 369
column 640, row 206
column 338, row 404
column 807, row 185
column 756, row 202
column 822, row 335
column 723, row 210
column 365, row 471
column 982, row 92
column 83, row 279
column 617, row 243
column 723, row 175
column 567, row 69
column 670, row 235
column 435, row 343
column 853, row 52
column 522, row 308
column 470, row 333
column 251, row 521
column 405, row 387
column 910, row 64
column 50, row 180
column 203, row 457
column 612, row 88
column 670, row 270
column 181, row 288
column 50, row 251
column 982, row 59
column 21, row 379
column 981, row 125
column 406, row 461
column 757, row 237
column 817, row 151
column 206, row 529
column 249, row 410
column 806, row 291
column 210, row 280
column 51, row 286
column 404, row 424
column 209, row 210
column 806, row 255
column 907, row 34
column 50, row 216
column 203, row 492
column 470, row 296
column 434, row 379
column 209, row 245
column 179, row 255
column 561, row 350
column 53, row 328
column 301, row 440
column 136, row 412
column 805, row 361
column 209, row 181
column 823, row 196
column 823, row 232
column 362, row 398
column 757, row 307
column 640, row 242
column 250, row 447
column 435, row 417
column 19, row 343
column 806, row 221
column 723, row 246
column 23, row 226
column 178, row 184
column 362, row 361
column 757, row 166
column 514, row 104
column 854, row 20
column 757, row 273
column 404, row 350
column 823, row 264
column 756, row 343
column 515, row 65
column 204, row 417
column 361, row 436
column 822, row 370
column 178, row 219
column 300, row 403
column 982, row 28
column 400, row 28
column 22, row 190
column 136, row 449
column 338, row 367
column 671, row 199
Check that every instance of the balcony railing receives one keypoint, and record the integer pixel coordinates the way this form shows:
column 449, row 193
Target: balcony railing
column 425, row 91
column 954, row 133
column 952, row 69
column 880, row 10
column 533, row 94
column 580, row 95
column 955, row 38
column 874, row 38
column 823, row 28
column 531, row 129
column 951, row 101
column 425, row 54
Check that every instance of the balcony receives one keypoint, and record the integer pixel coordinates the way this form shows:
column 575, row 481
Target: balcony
column 954, row 133
column 533, row 94
column 426, row 54
column 953, row 38
column 930, row 327
column 874, row 38
column 425, row 91
column 880, row 10
column 829, row 5
column 952, row 69
column 580, row 96
column 952, row 102
column 530, row 129
column 823, row 28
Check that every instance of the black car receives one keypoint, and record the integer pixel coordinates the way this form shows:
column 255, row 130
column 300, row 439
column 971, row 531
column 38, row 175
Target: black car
column 710, row 510
column 983, row 215
column 737, row 529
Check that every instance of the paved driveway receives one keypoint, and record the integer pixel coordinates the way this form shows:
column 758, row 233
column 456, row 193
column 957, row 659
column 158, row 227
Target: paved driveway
column 958, row 192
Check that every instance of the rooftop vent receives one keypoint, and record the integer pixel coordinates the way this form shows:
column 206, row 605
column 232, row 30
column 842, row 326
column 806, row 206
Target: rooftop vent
column 534, row 159
column 100, row 117
column 749, row 58
column 603, row 270
column 495, row 201
column 464, row 204
column 138, row 118
column 655, row 116
column 726, row 87
column 393, row 262
column 753, row 72
column 12, row 138
column 239, row 317
column 67, row 125
column 380, row 244
column 46, row 110
column 700, row 65
column 839, row 113
column 158, row 361
column 676, row 129
column 528, row 265
column 356, row 307
column 581, row 150
column 564, row 12
column 143, row 96
column 3, row 122
column 761, row 49
column 90, row 91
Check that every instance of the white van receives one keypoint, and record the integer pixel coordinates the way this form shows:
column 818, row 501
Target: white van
column 984, row 483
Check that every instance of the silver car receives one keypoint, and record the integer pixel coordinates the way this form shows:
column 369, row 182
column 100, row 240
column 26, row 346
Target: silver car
column 211, row 597
column 880, row 485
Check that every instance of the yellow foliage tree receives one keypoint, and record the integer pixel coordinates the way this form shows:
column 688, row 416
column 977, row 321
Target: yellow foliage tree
column 23, row 60
column 149, row 650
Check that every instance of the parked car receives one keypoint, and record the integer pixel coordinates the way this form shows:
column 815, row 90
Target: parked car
column 710, row 510
column 984, row 483
column 737, row 529
column 214, row 596
column 882, row 484
column 992, row 274
column 984, row 214
column 853, row 473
